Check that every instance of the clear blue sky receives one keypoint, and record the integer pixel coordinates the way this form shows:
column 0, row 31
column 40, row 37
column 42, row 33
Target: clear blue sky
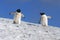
column 31, row 9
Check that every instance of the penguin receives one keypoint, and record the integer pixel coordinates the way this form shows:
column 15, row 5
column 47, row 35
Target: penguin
column 44, row 19
column 17, row 16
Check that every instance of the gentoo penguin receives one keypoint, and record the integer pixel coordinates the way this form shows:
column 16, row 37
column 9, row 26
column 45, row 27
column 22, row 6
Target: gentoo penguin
column 44, row 19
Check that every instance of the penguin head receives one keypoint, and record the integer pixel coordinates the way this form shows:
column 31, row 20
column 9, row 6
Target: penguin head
column 18, row 10
column 42, row 13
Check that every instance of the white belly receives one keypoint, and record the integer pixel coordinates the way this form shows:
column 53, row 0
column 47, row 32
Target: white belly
column 17, row 19
column 44, row 21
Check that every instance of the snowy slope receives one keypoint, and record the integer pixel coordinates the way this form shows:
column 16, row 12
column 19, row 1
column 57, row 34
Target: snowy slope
column 27, row 31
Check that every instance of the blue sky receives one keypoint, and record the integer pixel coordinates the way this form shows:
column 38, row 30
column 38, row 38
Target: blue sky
column 31, row 9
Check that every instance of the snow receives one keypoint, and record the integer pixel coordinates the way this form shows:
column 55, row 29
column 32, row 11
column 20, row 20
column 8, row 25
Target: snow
column 27, row 31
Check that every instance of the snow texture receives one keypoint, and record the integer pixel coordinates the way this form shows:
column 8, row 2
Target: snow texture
column 27, row 31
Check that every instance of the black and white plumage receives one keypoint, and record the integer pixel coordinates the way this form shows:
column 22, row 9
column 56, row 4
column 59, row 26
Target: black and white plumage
column 44, row 19
column 17, row 16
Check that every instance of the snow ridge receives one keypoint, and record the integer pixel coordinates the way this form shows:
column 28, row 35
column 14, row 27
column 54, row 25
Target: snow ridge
column 27, row 31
